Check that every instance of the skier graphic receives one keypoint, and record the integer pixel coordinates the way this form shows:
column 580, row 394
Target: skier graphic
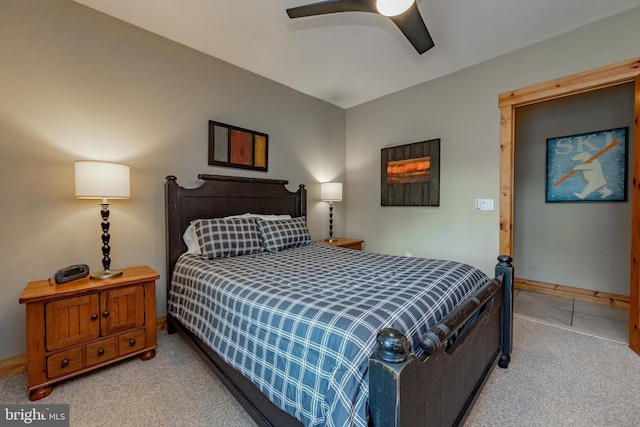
column 592, row 174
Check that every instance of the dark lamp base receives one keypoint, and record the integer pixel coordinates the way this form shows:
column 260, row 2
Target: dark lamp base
column 105, row 274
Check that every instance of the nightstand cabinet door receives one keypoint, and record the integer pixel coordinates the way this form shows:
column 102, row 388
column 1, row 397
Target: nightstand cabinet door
column 71, row 321
column 122, row 309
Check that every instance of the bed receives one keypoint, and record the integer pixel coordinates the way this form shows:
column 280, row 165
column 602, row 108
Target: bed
column 304, row 333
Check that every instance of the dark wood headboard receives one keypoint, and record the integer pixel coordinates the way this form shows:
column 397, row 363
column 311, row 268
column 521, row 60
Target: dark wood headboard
column 221, row 196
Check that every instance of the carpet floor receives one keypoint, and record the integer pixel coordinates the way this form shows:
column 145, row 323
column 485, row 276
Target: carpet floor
column 560, row 377
column 175, row 388
column 557, row 377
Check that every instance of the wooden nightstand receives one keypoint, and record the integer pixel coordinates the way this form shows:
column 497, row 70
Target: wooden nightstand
column 79, row 326
column 343, row 242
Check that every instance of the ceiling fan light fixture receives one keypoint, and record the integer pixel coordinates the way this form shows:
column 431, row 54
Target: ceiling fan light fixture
column 393, row 7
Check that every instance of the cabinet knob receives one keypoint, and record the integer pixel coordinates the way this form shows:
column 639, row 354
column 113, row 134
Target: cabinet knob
column 64, row 363
column 94, row 316
column 132, row 342
column 101, row 352
column 105, row 314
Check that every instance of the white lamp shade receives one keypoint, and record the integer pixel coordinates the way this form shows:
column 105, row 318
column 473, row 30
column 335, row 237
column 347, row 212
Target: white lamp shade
column 102, row 180
column 393, row 7
column 331, row 191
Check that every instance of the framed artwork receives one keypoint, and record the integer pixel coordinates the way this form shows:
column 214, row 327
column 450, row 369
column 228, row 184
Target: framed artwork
column 236, row 147
column 410, row 174
column 588, row 167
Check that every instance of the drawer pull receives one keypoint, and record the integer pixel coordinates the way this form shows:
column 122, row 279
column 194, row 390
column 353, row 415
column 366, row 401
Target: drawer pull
column 132, row 342
column 64, row 363
column 105, row 314
column 101, row 352
column 94, row 316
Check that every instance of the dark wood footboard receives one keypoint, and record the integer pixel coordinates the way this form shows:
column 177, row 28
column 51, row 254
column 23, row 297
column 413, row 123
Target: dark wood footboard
column 439, row 389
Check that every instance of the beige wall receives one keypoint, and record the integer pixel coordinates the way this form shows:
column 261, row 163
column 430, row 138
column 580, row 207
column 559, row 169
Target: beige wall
column 462, row 110
column 77, row 84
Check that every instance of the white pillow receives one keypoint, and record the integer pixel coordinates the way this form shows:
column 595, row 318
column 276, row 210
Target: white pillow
column 265, row 217
column 191, row 240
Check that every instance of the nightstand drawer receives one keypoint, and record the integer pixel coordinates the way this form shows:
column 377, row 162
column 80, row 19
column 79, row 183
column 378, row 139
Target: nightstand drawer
column 64, row 363
column 133, row 341
column 101, row 351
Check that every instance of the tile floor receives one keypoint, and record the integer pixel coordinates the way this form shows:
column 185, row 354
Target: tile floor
column 595, row 319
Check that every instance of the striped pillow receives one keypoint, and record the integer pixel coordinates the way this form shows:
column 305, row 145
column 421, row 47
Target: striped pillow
column 227, row 237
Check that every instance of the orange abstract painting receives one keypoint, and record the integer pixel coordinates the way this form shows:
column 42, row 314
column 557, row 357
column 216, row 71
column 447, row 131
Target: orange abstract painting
column 241, row 148
column 411, row 170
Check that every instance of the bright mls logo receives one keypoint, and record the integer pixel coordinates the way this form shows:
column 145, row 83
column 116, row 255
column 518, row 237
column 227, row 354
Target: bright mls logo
column 34, row 415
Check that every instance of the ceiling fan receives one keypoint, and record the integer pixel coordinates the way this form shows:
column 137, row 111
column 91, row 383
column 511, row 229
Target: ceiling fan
column 404, row 13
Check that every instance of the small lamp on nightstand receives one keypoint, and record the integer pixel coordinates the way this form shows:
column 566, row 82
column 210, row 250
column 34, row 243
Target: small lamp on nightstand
column 102, row 180
column 331, row 192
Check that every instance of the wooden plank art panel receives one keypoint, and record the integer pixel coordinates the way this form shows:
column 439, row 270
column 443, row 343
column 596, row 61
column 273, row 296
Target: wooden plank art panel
column 410, row 174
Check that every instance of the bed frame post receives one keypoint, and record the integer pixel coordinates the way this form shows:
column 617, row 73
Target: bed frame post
column 389, row 366
column 505, row 268
column 171, row 189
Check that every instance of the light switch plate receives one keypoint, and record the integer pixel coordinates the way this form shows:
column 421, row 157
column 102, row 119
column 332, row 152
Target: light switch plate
column 484, row 204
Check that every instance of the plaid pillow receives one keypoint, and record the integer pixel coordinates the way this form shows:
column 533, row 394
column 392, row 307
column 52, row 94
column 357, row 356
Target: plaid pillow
column 221, row 238
column 282, row 234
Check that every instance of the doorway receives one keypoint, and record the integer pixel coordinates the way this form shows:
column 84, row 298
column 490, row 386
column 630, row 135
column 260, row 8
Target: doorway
column 624, row 72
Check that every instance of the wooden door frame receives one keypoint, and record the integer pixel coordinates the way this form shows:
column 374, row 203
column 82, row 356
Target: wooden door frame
column 611, row 75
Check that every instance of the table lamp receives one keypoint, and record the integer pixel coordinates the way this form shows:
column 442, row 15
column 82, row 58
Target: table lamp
column 102, row 180
column 331, row 192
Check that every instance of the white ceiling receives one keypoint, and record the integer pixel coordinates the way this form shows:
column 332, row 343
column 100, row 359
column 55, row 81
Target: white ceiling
column 351, row 58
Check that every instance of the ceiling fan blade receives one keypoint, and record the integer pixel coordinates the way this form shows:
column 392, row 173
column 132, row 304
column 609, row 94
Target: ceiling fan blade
column 413, row 27
column 332, row 6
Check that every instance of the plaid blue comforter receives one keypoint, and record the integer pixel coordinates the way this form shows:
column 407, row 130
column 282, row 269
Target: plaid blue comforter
column 301, row 323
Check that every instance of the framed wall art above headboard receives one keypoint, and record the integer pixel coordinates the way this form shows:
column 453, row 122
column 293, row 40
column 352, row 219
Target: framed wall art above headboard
column 235, row 147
